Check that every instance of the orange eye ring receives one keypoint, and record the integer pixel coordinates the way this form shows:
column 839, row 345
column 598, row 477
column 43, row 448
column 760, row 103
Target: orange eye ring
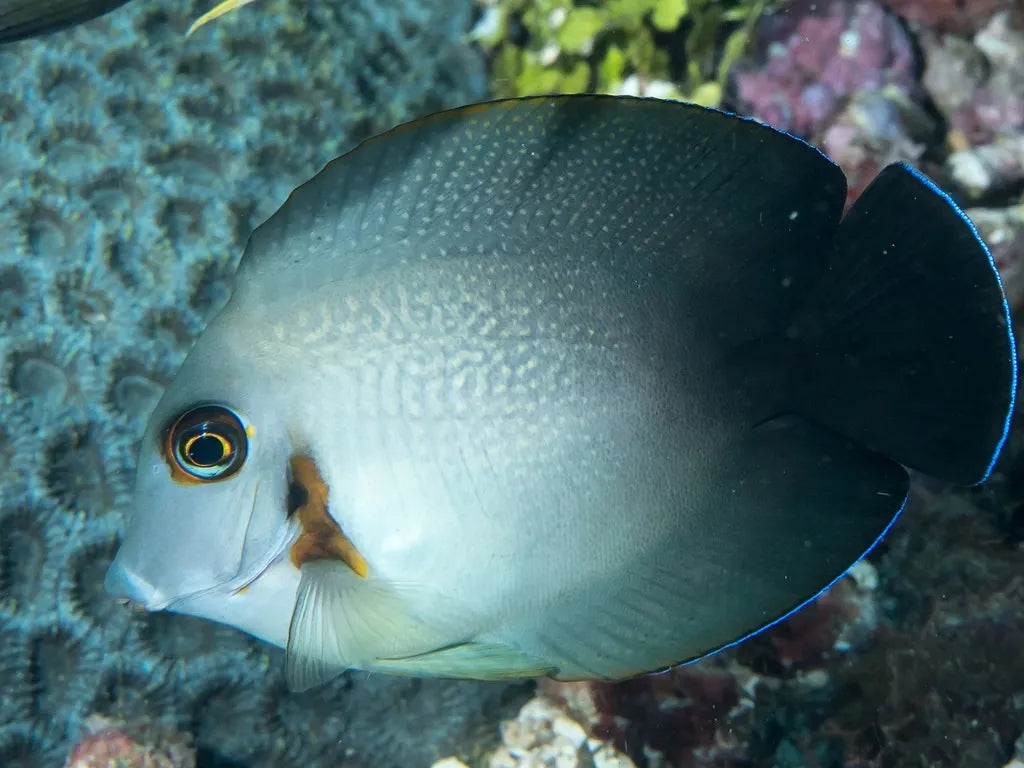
column 205, row 444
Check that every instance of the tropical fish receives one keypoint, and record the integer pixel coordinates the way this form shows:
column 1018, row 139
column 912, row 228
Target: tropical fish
column 226, row 6
column 27, row 18
column 574, row 386
column 20, row 19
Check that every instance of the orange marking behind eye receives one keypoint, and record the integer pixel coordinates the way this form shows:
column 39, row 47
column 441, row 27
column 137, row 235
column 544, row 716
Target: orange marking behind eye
column 321, row 537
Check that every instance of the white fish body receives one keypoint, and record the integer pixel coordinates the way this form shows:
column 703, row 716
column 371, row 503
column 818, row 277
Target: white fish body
column 472, row 447
column 543, row 368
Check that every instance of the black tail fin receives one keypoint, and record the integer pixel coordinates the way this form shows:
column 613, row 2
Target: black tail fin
column 907, row 347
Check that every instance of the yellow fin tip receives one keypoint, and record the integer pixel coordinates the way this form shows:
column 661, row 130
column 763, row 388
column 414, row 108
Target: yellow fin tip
column 215, row 13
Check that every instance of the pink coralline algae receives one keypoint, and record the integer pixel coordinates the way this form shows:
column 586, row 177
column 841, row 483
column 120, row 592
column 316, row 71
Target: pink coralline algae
column 110, row 743
column 816, row 56
column 842, row 74
column 940, row 88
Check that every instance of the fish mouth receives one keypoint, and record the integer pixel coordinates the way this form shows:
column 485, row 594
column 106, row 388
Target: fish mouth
column 131, row 590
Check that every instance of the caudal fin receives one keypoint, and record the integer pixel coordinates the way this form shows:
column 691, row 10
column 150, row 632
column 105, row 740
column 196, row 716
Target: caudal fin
column 907, row 347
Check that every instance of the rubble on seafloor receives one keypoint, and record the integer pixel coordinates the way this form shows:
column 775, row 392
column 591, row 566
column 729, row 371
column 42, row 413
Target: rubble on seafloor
column 841, row 74
column 112, row 743
column 545, row 734
column 977, row 84
column 960, row 16
column 936, row 83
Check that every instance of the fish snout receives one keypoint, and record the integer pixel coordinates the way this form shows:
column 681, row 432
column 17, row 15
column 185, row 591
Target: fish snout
column 122, row 583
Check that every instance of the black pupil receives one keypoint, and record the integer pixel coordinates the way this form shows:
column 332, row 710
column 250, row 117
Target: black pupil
column 206, row 451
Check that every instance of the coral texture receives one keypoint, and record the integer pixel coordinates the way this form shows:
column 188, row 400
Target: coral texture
column 546, row 734
column 112, row 744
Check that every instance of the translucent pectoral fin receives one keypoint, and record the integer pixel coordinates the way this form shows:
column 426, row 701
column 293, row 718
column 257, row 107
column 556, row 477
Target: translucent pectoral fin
column 475, row 661
column 342, row 621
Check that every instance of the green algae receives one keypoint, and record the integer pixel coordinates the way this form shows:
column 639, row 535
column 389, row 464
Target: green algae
column 670, row 48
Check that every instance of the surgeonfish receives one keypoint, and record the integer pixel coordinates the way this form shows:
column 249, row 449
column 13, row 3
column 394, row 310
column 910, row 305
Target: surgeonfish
column 20, row 19
column 221, row 8
column 577, row 386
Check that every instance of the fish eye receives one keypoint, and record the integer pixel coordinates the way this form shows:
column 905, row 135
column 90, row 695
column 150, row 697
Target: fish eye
column 207, row 443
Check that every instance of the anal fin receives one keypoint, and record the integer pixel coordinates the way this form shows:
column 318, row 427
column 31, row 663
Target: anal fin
column 790, row 507
column 475, row 661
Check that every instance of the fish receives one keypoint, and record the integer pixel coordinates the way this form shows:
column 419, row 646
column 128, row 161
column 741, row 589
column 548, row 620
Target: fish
column 221, row 8
column 20, row 19
column 583, row 387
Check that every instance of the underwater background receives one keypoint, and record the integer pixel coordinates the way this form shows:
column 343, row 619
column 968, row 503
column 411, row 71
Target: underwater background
column 134, row 163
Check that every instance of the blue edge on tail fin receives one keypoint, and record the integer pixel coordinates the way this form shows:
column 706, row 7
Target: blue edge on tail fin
column 1009, row 413
column 1006, row 307
column 809, row 600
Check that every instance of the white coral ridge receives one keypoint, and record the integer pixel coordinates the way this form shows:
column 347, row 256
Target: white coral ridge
column 545, row 736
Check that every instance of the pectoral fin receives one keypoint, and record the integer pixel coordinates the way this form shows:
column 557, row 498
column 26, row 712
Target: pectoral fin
column 343, row 621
